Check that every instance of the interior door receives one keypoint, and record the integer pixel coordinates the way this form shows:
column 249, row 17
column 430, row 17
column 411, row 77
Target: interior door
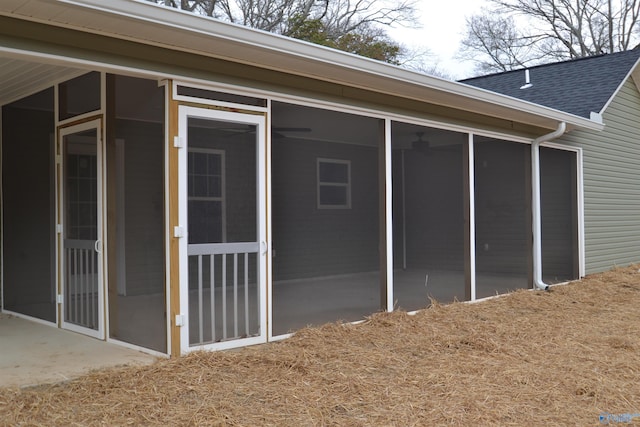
column 222, row 217
column 81, row 263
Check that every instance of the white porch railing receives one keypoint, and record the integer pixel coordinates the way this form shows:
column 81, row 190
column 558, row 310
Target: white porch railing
column 223, row 294
column 81, row 283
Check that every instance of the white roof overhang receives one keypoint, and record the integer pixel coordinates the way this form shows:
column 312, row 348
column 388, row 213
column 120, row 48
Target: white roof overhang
column 148, row 23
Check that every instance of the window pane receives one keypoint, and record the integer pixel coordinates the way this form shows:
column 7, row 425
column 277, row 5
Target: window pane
column 332, row 195
column 333, row 172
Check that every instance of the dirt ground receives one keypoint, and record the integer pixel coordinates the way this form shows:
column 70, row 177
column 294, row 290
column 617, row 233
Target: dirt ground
column 566, row 357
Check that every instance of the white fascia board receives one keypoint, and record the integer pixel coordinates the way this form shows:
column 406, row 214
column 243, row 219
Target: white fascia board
column 195, row 33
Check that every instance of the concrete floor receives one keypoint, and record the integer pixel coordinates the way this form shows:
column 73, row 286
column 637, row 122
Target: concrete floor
column 32, row 353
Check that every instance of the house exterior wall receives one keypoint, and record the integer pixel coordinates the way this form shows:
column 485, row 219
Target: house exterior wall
column 311, row 242
column 612, row 183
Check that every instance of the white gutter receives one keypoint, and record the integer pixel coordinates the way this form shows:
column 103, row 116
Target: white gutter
column 535, row 203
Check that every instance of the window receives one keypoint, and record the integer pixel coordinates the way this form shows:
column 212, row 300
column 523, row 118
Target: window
column 206, row 196
column 334, row 184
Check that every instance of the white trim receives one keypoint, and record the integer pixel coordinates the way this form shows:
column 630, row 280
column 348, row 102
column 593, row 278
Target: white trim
column 167, row 211
column 472, row 216
column 58, row 220
column 388, row 169
column 96, row 124
column 320, row 184
column 581, row 222
column 269, row 232
column 184, row 113
column 281, row 337
column 102, row 212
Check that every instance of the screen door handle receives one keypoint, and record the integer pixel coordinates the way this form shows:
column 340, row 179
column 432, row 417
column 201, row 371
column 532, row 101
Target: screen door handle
column 97, row 246
column 263, row 247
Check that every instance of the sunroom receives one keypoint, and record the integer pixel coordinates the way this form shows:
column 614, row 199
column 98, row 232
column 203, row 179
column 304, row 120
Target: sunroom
column 230, row 200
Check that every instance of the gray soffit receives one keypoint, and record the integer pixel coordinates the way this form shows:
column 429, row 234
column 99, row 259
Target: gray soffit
column 578, row 87
column 147, row 23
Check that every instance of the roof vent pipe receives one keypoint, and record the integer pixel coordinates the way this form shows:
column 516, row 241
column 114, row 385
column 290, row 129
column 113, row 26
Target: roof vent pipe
column 536, row 205
column 527, row 80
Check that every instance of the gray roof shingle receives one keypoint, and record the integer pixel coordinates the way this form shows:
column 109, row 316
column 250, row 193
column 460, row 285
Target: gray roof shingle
column 579, row 86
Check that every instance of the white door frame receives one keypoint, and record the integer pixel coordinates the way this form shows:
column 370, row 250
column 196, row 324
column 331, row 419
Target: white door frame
column 184, row 113
column 62, row 132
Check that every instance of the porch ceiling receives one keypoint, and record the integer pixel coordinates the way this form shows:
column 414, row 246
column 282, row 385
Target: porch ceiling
column 19, row 78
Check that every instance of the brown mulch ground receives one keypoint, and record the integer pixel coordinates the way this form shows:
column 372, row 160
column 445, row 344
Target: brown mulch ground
column 531, row 358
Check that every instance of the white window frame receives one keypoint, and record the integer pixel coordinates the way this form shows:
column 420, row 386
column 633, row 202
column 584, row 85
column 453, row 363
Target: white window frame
column 320, row 184
column 222, row 199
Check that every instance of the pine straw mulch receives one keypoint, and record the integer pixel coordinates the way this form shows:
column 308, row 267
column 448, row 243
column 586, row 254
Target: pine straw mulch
column 530, row 358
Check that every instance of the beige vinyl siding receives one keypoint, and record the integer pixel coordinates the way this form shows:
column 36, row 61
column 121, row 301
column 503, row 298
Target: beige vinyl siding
column 612, row 184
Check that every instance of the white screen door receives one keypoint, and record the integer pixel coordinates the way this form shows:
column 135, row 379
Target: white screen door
column 81, row 207
column 222, row 216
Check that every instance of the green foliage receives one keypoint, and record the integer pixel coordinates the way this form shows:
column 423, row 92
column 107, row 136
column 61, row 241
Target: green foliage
column 371, row 44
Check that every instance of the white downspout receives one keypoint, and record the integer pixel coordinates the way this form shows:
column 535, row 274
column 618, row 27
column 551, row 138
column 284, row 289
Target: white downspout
column 535, row 203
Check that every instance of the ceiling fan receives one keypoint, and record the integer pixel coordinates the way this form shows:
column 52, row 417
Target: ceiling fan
column 279, row 132
column 421, row 145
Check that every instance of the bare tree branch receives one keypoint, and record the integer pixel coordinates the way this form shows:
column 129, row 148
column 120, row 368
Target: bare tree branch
column 555, row 29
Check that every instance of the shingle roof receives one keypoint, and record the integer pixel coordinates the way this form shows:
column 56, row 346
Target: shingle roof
column 578, row 86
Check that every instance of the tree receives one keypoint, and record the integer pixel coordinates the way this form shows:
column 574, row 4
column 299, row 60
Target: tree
column 355, row 26
column 513, row 34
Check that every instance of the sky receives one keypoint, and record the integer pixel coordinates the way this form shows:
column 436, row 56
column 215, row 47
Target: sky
column 443, row 24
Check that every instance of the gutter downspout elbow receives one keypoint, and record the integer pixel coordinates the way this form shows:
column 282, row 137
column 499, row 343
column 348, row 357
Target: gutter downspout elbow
column 536, row 204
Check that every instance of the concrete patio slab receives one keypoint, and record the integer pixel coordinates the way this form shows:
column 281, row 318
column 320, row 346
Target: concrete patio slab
column 34, row 354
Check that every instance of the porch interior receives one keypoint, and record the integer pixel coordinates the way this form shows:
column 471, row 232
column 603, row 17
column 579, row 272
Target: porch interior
column 327, row 212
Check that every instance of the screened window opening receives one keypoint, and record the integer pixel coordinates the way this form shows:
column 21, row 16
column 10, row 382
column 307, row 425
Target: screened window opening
column 28, row 204
column 559, row 211
column 213, row 95
column 135, row 182
column 79, row 95
column 334, row 184
column 503, row 216
column 430, row 227
column 325, row 257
